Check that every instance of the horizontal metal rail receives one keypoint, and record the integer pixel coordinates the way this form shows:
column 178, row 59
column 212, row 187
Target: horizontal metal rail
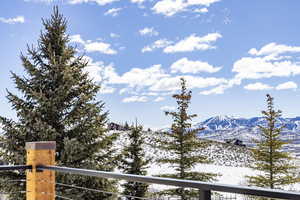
column 203, row 186
column 14, row 167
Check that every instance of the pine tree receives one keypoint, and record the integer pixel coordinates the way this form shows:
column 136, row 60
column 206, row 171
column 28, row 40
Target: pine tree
column 183, row 145
column 274, row 164
column 134, row 162
column 58, row 103
column 126, row 126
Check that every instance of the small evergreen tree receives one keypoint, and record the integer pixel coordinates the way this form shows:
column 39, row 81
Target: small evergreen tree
column 134, row 162
column 58, row 103
column 183, row 145
column 126, row 126
column 274, row 164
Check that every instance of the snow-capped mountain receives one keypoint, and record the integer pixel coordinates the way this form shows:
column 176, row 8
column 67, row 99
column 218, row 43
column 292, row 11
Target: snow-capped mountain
column 222, row 128
column 228, row 123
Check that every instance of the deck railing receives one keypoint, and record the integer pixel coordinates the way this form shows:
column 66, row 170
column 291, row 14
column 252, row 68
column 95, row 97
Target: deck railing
column 40, row 169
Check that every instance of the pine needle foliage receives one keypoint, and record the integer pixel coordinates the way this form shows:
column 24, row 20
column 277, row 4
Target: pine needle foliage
column 182, row 143
column 57, row 102
column 134, row 162
column 274, row 165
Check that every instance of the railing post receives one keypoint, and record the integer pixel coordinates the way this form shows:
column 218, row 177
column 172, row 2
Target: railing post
column 204, row 195
column 40, row 185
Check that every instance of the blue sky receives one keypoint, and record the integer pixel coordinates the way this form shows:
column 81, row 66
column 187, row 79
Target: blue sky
column 231, row 52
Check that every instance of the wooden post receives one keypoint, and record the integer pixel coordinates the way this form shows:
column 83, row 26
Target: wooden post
column 40, row 185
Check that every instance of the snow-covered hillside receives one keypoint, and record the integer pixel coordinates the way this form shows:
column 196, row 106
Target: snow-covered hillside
column 230, row 161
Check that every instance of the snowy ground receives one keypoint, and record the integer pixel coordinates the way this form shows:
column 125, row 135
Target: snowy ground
column 228, row 175
column 229, row 162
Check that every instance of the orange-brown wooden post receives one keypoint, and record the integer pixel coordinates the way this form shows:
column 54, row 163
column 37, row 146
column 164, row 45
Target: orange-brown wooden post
column 40, row 185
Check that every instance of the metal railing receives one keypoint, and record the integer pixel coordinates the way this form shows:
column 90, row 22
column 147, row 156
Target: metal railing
column 41, row 161
column 203, row 187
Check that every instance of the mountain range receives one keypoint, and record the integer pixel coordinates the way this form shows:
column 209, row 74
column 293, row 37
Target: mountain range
column 224, row 128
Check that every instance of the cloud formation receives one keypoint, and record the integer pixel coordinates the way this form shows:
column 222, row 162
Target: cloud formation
column 159, row 99
column 157, row 45
column 167, row 108
column 188, row 44
column 113, row 12
column 99, row 2
column 173, row 83
column 185, row 65
column 274, row 49
column 150, row 81
column 148, row 31
column 99, row 72
column 194, row 42
column 135, row 99
column 172, row 7
column 14, row 20
column 287, row 85
column 271, row 60
column 89, row 46
column 258, row 86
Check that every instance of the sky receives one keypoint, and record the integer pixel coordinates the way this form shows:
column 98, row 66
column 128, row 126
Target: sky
column 231, row 52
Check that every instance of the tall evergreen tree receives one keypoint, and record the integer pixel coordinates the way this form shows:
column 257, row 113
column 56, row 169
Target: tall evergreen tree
column 183, row 145
column 58, row 103
column 134, row 162
column 274, row 164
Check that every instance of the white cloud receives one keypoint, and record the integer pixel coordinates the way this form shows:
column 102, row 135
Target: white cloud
column 90, row 46
column 168, row 108
column 42, row 1
column 148, row 31
column 221, row 88
column 171, row 7
column 287, row 85
column 140, row 83
column 184, row 65
column 99, row 2
column 194, row 42
column 135, row 78
column 274, row 49
column 15, row 20
column 138, row 1
column 99, row 72
column 201, row 10
column 114, row 35
column 76, row 39
column 217, row 90
column 135, row 99
column 257, row 68
column 157, row 45
column 113, row 12
column 158, row 99
column 173, row 83
column 266, row 62
column 150, row 93
column 101, row 47
column 258, row 86
column 138, row 77
column 106, row 90
column 190, row 43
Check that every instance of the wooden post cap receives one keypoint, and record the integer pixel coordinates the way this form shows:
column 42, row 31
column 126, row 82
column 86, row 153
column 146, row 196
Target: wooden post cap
column 41, row 145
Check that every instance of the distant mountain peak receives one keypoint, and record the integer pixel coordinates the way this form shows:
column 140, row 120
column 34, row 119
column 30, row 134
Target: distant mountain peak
column 224, row 127
column 226, row 122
